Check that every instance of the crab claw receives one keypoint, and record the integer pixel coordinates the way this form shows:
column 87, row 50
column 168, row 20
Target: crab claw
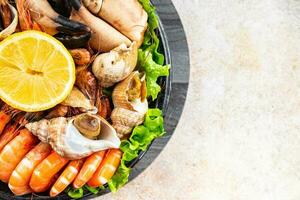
column 104, row 36
column 40, row 12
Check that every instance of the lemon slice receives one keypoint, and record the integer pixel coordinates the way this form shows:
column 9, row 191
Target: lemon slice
column 36, row 71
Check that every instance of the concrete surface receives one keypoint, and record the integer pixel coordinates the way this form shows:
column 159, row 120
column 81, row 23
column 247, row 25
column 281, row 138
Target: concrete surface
column 239, row 137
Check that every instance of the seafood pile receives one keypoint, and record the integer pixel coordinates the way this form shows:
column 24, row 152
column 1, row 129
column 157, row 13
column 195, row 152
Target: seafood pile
column 84, row 140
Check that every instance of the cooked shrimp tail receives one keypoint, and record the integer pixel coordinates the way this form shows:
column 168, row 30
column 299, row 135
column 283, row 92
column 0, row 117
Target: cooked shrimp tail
column 14, row 151
column 43, row 174
column 66, row 178
column 88, row 169
column 107, row 168
column 19, row 179
column 6, row 114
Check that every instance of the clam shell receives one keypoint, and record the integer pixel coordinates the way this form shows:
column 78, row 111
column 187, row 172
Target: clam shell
column 68, row 142
column 116, row 65
column 12, row 27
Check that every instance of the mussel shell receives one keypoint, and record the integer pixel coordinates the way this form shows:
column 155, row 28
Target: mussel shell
column 62, row 7
column 73, row 41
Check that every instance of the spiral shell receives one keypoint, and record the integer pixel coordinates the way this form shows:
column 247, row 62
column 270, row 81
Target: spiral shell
column 124, row 120
column 116, row 65
column 129, row 113
column 67, row 139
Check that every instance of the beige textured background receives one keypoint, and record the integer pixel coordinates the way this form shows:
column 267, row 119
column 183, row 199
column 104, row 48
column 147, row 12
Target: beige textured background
column 239, row 136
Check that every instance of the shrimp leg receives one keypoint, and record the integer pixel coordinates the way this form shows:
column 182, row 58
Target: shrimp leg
column 4, row 119
column 107, row 168
column 19, row 179
column 66, row 178
column 88, row 169
column 44, row 173
column 13, row 153
column 9, row 133
column 6, row 114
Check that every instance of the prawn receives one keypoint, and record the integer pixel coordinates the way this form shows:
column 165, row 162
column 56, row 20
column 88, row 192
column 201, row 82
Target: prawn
column 88, row 169
column 6, row 114
column 107, row 168
column 82, row 57
column 10, row 132
column 102, row 104
column 44, row 173
column 19, row 179
column 66, row 178
column 14, row 151
column 25, row 20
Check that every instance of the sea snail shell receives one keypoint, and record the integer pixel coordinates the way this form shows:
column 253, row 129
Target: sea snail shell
column 129, row 98
column 116, row 65
column 65, row 135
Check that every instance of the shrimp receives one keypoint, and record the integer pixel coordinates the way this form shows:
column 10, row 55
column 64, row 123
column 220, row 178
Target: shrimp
column 102, row 104
column 14, row 151
column 88, row 169
column 44, row 173
column 19, row 179
column 6, row 114
column 25, row 20
column 10, row 132
column 87, row 83
column 66, row 178
column 81, row 57
column 107, row 168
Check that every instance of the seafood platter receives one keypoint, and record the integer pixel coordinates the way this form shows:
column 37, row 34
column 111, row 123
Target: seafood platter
column 80, row 86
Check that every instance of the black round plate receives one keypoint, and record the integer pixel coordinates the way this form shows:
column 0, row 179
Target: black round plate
column 171, row 99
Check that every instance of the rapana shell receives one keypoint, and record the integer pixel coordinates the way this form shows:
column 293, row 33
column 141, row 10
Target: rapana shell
column 128, row 114
column 120, row 95
column 124, row 120
column 116, row 65
column 67, row 141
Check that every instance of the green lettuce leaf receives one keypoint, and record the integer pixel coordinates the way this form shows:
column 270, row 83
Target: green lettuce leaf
column 153, row 72
column 139, row 140
column 91, row 189
column 78, row 193
column 150, row 60
column 151, row 41
column 75, row 193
